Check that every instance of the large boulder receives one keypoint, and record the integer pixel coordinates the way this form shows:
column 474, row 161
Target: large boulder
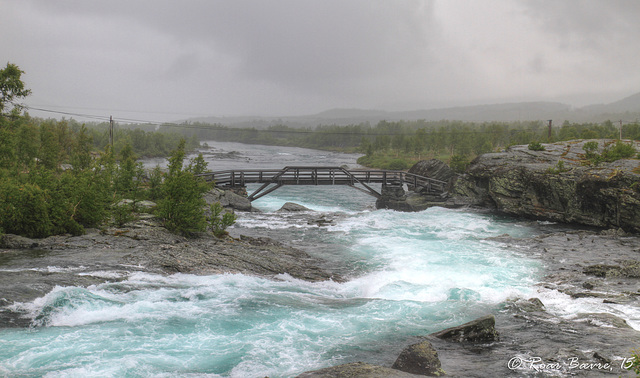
column 434, row 169
column 421, row 359
column 557, row 184
column 227, row 199
column 479, row 330
column 291, row 207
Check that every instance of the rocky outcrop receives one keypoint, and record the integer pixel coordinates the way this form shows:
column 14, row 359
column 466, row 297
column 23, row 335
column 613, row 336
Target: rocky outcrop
column 480, row 330
column 421, row 359
column 434, row 169
column 557, row 184
column 228, row 199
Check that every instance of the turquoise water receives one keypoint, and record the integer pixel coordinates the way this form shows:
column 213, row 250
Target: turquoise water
column 411, row 274
column 407, row 274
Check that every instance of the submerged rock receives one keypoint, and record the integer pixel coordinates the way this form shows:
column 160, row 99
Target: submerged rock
column 420, row 359
column 479, row 330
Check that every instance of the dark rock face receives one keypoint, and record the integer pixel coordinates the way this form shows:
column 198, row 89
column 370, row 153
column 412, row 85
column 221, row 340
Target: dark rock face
column 479, row 330
column 394, row 197
column 420, row 359
column 356, row 370
column 557, row 184
column 434, row 169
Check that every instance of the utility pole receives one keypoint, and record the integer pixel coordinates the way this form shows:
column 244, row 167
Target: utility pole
column 111, row 131
column 620, row 129
column 549, row 136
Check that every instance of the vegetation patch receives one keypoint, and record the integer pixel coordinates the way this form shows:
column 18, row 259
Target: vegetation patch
column 536, row 146
column 558, row 168
column 611, row 152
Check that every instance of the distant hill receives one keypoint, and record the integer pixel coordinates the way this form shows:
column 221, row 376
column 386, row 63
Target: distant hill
column 627, row 109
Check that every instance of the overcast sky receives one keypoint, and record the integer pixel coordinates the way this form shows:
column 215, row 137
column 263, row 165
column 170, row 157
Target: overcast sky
column 166, row 60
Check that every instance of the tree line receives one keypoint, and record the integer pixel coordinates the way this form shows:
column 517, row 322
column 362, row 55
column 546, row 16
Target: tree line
column 396, row 145
column 59, row 177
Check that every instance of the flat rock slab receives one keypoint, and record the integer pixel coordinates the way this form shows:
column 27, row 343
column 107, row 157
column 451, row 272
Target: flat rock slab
column 357, row 370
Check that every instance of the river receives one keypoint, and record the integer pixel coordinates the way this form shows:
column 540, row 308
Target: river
column 408, row 275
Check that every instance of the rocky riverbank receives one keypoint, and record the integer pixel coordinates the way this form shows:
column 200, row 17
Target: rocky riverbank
column 530, row 338
column 558, row 182
column 30, row 268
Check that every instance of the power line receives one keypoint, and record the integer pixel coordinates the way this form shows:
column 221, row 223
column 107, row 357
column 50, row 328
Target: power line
column 221, row 128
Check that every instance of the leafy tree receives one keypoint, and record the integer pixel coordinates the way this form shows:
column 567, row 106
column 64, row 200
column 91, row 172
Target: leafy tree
column 81, row 156
column 197, row 165
column 11, row 88
column 155, row 184
column 181, row 207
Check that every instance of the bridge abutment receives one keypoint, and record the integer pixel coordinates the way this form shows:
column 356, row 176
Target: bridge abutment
column 393, row 196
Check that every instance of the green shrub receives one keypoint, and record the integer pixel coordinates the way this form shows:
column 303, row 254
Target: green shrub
column 620, row 150
column 24, row 210
column 123, row 213
column 536, row 146
column 458, row 163
column 155, row 184
column 219, row 220
column 558, row 168
column 397, row 165
column 633, row 363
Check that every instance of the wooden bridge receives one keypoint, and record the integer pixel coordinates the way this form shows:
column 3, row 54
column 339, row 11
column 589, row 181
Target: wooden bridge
column 272, row 179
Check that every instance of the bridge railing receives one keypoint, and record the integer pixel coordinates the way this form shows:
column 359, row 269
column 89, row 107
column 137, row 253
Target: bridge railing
column 321, row 176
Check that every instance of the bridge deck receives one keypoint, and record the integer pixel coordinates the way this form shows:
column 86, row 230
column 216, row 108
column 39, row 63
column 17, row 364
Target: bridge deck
column 299, row 175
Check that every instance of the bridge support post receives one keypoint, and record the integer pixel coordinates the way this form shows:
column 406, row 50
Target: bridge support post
column 393, row 197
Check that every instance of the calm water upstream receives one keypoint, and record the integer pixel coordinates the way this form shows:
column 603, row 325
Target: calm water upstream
column 408, row 274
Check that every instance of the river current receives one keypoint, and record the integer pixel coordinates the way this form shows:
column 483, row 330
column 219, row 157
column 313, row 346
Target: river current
column 407, row 275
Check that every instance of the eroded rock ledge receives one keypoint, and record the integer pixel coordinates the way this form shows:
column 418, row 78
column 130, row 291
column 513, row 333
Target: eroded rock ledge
column 558, row 184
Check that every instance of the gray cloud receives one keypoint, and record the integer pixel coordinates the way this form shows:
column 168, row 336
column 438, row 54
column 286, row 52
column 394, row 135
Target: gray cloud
column 297, row 56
